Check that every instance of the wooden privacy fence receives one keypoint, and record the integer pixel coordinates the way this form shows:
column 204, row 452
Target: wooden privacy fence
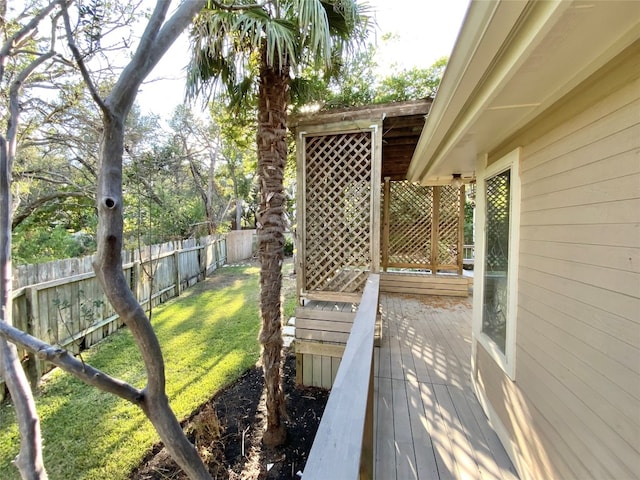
column 422, row 227
column 63, row 304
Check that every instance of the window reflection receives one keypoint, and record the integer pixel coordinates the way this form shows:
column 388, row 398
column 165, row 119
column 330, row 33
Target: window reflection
column 496, row 260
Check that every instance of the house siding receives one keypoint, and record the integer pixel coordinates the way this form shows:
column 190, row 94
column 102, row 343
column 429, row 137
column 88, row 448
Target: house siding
column 573, row 410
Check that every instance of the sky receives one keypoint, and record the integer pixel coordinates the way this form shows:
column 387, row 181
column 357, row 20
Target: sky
column 423, row 30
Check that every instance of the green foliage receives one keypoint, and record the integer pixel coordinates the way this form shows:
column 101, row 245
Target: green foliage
column 468, row 223
column 357, row 84
column 411, row 84
column 236, row 175
column 208, row 339
column 40, row 243
column 311, row 35
column 288, row 247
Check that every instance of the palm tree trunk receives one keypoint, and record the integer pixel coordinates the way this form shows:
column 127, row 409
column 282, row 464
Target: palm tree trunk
column 272, row 156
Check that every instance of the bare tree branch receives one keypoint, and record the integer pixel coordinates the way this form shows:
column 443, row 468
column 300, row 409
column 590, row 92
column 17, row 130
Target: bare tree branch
column 29, row 460
column 66, row 361
column 23, row 33
column 152, row 46
column 79, row 60
column 157, row 38
column 231, row 8
column 14, row 106
column 27, row 210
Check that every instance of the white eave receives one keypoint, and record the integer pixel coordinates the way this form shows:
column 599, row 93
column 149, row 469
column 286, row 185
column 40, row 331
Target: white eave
column 514, row 59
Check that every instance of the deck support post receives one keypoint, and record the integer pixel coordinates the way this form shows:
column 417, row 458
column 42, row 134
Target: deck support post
column 460, row 258
column 435, row 223
column 385, row 223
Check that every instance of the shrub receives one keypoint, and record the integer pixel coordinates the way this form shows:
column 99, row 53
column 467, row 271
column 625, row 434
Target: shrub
column 288, row 247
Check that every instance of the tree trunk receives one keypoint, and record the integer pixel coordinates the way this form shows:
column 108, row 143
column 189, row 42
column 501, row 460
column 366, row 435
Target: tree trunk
column 272, row 156
column 238, row 212
column 108, row 267
column 29, row 460
column 157, row 38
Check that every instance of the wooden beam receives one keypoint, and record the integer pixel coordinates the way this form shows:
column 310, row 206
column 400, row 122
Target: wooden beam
column 388, row 110
column 316, row 348
column 404, row 121
column 300, row 264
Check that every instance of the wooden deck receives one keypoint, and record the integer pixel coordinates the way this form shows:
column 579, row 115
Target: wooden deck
column 428, row 423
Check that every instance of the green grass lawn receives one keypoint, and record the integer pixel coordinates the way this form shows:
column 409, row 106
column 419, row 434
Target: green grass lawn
column 208, row 337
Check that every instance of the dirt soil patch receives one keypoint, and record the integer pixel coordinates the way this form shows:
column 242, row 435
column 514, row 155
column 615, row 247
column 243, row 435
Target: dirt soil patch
column 228, row 429
column 241, row 413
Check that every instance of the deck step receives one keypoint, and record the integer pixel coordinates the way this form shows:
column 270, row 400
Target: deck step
column 424, row 284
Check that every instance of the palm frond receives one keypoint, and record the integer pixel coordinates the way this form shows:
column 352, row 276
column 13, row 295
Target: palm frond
column 292, row 33
column 280, row 34
column 218, row 57
column 282, row 44
column 314, row 29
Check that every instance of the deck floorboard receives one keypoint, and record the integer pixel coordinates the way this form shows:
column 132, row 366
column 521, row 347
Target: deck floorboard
column 428, row 422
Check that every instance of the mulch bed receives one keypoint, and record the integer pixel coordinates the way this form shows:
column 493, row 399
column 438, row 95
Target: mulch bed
column 231, row 438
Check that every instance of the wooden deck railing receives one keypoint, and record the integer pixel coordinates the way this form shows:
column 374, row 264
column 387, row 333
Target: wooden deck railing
column 343, row 446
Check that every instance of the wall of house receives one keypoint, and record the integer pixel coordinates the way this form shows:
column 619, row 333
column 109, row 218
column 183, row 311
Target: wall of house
column 573, row 410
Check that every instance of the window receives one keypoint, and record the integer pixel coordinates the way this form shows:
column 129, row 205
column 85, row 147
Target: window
column 496, row 260
column 497, row 195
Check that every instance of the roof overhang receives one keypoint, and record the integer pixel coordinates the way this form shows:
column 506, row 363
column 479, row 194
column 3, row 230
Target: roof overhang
column 514, row 59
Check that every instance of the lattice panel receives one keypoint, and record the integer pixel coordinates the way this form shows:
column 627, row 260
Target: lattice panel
column 410, row 211
column 448, row 225
column 337, row 211
column 412, row 220
column 497, row 239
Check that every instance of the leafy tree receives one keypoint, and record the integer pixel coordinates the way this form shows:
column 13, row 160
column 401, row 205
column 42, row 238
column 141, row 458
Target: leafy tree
column 358, row 84
column 281, row 38
column 38, row 242
column 355, row 84
column 411, row 84
column 198, row 145
column 237, row 173
column 54, row 178
column 21, row 58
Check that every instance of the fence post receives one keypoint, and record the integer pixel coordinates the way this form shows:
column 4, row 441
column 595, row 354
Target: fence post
column 137, row 280
column 33, row 366
column 202, row 257
column 176, row 259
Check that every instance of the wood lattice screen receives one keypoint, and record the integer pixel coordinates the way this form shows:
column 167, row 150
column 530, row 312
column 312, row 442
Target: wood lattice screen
column 422, row 226
column 450, row 216
column 337, row 211
column 408, row 241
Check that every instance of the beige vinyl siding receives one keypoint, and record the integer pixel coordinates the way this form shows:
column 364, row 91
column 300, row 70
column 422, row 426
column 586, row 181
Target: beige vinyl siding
column 574, row 409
